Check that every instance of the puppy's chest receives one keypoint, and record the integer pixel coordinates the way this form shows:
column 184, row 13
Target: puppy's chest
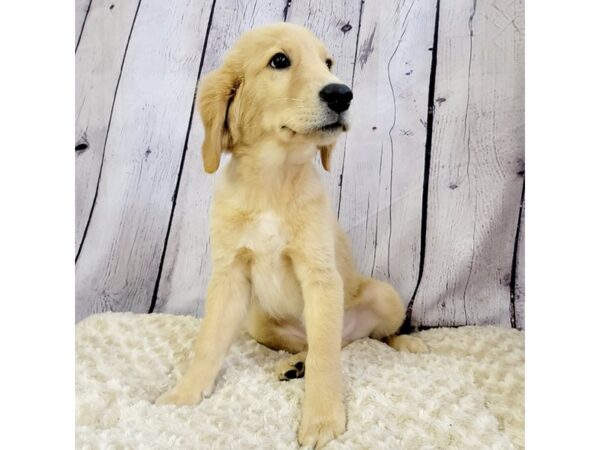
column 273, row 280
column 265, row 235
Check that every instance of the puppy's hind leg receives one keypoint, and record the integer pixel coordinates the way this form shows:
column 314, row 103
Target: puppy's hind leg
column 291, row 367
column 388, row 308
column 279, row 335
column 407, row 343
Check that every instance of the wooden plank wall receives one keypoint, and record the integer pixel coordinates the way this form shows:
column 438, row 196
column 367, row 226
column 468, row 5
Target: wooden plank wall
column 381, row 193
column 119, row 260
column 428, row 182
column 475, row 181
column 99, row 62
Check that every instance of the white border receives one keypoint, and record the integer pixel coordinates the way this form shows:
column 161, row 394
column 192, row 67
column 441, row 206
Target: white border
column 562, row 220
column 37, row 225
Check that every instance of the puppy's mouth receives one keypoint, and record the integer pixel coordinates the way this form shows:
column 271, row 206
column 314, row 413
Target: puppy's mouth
column 333, row 127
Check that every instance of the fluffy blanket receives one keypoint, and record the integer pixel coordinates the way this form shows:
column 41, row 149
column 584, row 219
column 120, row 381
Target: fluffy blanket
column 466, row 393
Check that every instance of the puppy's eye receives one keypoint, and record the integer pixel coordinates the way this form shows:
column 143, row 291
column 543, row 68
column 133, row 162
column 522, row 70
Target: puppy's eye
column 279, row 61
column 329, row 63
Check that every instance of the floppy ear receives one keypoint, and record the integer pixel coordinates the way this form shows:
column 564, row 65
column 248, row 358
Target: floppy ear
column 216, row 90
column 326, row 151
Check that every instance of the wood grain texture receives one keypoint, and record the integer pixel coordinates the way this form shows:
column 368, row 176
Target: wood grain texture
column 119, row 261
column 98, row 63
column 336, row 23
column 475, row 177
column 383, row 170
column 187, row 265
column 520, row 275
column 81, row 10
column 141, row 179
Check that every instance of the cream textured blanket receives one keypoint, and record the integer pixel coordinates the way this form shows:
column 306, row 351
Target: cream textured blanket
column 467, row 393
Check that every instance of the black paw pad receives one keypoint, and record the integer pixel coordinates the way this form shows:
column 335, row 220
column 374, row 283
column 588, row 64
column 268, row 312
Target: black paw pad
column 290, row 374
column 296, row 372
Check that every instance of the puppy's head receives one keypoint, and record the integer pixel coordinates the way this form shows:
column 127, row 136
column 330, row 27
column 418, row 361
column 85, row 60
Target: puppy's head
column 276, row 82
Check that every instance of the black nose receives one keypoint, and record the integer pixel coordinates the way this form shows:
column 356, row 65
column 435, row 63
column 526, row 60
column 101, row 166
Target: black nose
column 337, row 96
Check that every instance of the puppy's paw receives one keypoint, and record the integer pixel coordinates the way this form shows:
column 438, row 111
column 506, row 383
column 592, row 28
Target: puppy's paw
column 407, row 343
column 316, row 430
column 182, row 395
column 292, row 367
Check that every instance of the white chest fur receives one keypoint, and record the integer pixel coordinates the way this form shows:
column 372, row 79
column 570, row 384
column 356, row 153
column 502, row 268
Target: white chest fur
column 264, row 234
column 273, row 281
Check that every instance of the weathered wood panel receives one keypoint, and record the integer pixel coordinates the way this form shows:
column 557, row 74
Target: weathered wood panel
column 150, row 216
column 476, row 165
column 118, row 264
column 98, row 64
column 336, row 23
column 383, row 171
column 186, row 266
column 81, row 10
column 519, row 287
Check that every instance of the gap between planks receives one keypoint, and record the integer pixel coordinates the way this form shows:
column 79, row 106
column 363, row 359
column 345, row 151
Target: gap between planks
column 87, row 11
column 406, row 326
column 515, row 261
column 341, row 182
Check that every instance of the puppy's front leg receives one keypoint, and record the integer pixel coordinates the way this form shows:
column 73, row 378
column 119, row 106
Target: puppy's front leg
column 227, row 300
column 323, row 414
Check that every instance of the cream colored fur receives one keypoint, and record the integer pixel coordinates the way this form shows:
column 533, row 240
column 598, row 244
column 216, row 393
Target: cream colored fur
column 281, row 263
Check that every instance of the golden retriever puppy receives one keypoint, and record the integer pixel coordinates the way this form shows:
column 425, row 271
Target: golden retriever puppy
column 281, row 262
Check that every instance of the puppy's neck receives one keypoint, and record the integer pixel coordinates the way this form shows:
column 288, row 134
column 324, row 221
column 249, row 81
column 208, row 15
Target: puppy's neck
column 271, row 163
